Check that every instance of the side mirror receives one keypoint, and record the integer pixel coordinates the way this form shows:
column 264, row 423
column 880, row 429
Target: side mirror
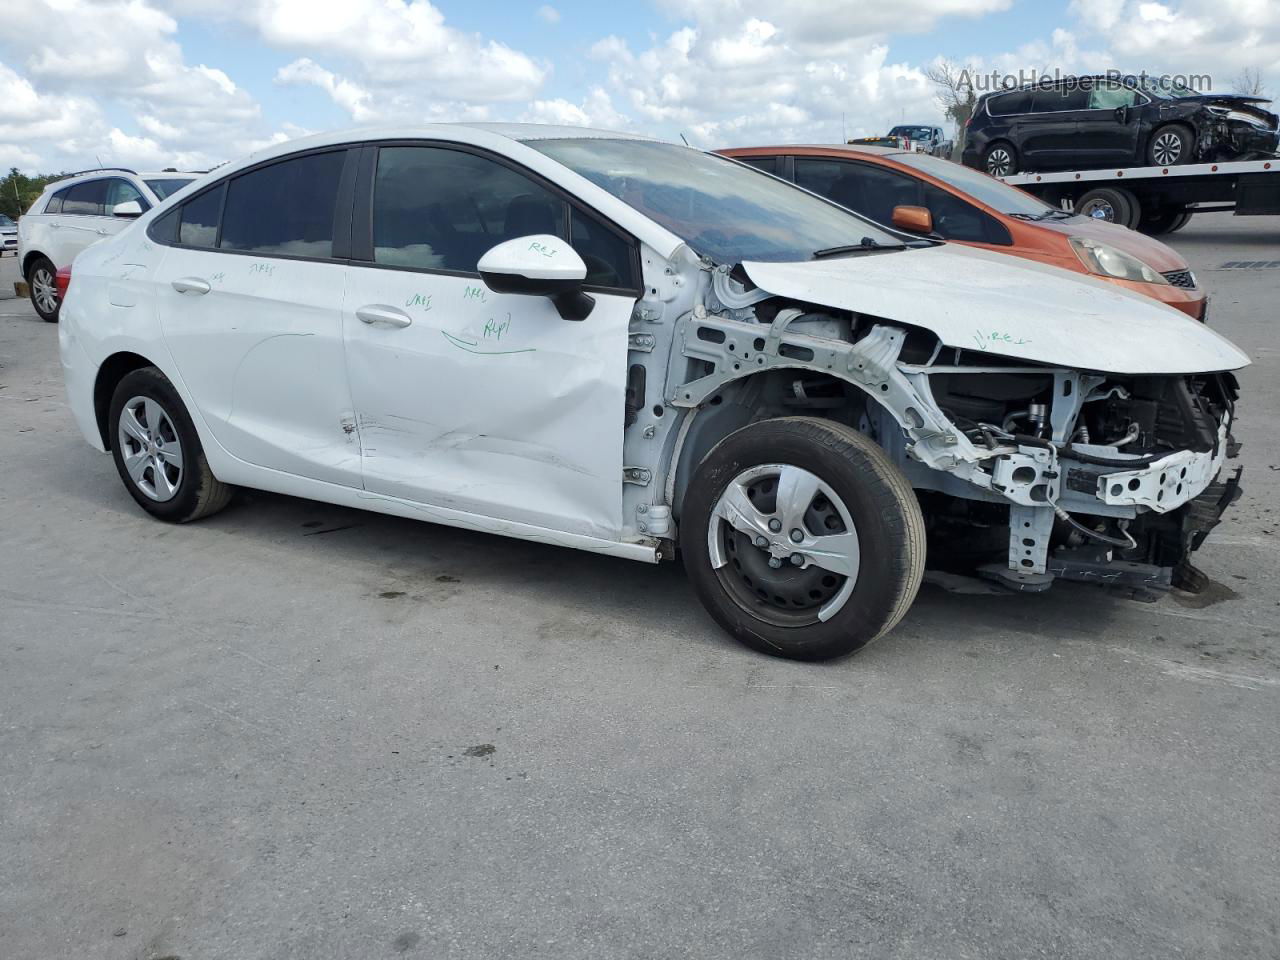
column 539, row 265
column 130, row 208
column 1122, row 114
column 913, row 219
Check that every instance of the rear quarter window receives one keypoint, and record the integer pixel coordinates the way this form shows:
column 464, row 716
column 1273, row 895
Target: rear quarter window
column 1007, row 104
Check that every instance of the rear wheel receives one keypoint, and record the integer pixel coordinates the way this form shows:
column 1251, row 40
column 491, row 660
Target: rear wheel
column 1183, row 219
column 43, row 288
column 802, row 539
column 1161, row 220
column 158, row 453
column 1108, row 203
column 1001, row 160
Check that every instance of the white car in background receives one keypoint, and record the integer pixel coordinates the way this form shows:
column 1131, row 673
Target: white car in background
column 8, row 235
column 606, row 342
column 80, row 210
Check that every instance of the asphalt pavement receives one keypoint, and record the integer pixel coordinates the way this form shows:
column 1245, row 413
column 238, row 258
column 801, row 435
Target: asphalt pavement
column 299, row 731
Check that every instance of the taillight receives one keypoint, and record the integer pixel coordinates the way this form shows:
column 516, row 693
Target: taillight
column 62, row 281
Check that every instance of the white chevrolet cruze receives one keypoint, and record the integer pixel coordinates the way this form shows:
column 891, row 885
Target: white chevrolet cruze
column 622, row 345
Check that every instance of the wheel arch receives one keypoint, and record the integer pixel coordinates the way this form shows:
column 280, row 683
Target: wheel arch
column 30, row 257
column 114, row 369
column 749, row 398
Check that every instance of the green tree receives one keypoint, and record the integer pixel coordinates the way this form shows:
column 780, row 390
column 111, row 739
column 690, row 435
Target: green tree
column 18, row 191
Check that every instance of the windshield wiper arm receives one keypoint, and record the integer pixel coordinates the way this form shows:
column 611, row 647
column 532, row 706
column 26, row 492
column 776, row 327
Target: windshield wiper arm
column 865, row 244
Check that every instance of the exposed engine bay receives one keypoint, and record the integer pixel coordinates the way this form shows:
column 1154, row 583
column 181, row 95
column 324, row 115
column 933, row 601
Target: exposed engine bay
column 1026, row 472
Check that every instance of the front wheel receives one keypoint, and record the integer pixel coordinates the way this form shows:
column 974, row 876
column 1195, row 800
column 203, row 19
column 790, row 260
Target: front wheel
column 802, row 539
column 158, row 453
column 43, row 286
column 1169, row 146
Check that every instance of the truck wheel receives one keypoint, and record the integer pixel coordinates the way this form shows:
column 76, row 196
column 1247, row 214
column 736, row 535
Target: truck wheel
column 1107, row 203
column 1000, row 160
column 1162, row 220
column 158, row 453
column 44, row 289
column 802, row 539
column 1169, row 146
column 1183, row 219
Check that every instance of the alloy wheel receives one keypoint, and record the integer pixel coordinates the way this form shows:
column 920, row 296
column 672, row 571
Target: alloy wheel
column 150, row 448
column 999, row 163
column 1167, row 149
column 44, row 290
column 784, row 546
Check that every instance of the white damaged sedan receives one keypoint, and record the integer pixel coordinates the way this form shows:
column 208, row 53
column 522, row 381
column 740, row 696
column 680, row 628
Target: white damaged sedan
column 622, row 345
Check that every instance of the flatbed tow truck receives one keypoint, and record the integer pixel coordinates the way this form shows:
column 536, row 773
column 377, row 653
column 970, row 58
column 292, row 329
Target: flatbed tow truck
column 1158, row 200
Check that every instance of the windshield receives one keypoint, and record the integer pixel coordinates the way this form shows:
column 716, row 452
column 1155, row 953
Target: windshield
column 912, row 133
column 5, row 221
column 164, row 189
column 984, row 189
column 724, row 210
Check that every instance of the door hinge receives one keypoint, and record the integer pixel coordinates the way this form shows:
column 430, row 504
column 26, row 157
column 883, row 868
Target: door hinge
column 636, row 475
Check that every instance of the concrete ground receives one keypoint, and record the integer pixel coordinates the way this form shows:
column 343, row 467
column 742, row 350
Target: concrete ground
column 298, row 731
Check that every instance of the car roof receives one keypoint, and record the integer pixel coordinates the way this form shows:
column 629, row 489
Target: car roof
column 814, row 149
column 53, row 185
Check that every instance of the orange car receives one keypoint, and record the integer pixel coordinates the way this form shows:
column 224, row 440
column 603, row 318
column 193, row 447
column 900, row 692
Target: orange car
column 917, row 192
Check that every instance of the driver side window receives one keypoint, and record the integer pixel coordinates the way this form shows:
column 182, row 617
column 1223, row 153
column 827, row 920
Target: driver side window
column 442, row 209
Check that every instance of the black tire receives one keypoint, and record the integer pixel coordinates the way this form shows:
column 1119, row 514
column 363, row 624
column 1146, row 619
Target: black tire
column 880, row 504
column 196, row 492
column 1183, row 219
column 1169, row 146
column 1000, row 159
column 1107, row 203
column 1162, row 220
column 42, row 272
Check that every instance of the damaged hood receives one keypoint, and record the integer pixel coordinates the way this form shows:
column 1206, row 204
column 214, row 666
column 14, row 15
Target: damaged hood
column 989, row 302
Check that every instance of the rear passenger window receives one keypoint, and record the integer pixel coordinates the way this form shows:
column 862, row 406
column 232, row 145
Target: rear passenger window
column 441, row 209
column 285, row 209
column 198, row 223
column 1059, row 99
column 85, row 199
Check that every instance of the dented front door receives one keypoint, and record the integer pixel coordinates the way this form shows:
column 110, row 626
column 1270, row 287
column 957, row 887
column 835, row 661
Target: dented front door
column 486, row 403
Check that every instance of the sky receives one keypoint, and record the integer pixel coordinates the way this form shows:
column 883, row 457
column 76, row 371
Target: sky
column 190, row 83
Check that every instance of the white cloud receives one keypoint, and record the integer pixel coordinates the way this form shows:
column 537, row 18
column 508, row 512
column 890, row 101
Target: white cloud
column 79, row 55
column 549, row 13
column 396, row 48
column 596, row 110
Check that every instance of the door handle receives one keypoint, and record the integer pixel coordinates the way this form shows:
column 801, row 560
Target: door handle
column 191, row 285
column 101, row 232
column 378, row 313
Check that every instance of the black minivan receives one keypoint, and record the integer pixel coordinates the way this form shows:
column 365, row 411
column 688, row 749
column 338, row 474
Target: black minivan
column 1090, row 122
